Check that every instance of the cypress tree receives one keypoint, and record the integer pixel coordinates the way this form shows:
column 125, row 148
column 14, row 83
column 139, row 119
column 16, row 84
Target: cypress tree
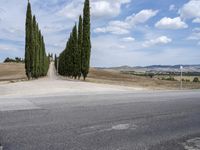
column 74, row 61
column 80, row 42
column 37, row 51
column 40, row 53
column 70, row 62
column 86, row 47
column 28, row 41
column 76, row 56
column 34, row 54
column 43, row 58
column 36, row 60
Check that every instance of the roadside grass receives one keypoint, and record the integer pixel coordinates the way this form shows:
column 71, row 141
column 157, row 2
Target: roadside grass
column 108, row 76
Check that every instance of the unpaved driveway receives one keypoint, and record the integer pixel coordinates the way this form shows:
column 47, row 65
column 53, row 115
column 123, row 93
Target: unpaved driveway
column 54, row 85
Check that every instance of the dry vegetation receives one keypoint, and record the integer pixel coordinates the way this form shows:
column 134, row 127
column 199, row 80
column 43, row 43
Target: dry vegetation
column 12, row 71
column 15, row 71
column 115, row 77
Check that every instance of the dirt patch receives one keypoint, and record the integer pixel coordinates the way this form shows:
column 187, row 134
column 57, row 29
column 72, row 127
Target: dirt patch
column 12, row 71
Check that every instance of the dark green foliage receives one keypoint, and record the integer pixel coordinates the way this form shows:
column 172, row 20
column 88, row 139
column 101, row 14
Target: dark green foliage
column 80, row 42
column 86, row 47
column 55, row 61
column 196, row 79
column 28, row 41
column 75, row 52
column 16, row 60
column 169, row 78
column 36, row 60
column 74, row 61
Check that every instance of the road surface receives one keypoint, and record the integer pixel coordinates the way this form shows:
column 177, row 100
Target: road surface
column 97, row 117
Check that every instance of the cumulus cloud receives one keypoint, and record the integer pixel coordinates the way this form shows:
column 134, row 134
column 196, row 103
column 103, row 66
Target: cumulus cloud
column 196, row 20
column 111, row 8
column 171, row 23
column 190, row 9
column 141, row 17
column 133, row 53
column 99, row 8
column 156, row 41
column 56, row 19
column 123, row 27
column 72, row 10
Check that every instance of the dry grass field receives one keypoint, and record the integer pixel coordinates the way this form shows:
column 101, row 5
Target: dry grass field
column 14, row 71
column 118, row 78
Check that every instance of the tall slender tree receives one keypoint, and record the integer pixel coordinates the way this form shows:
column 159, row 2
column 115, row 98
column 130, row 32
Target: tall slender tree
column 36, row 60
column 80, row 42
column 76, row 55
column 34, row 41
column 86, row 47
column 74, row 61
column 28, row 41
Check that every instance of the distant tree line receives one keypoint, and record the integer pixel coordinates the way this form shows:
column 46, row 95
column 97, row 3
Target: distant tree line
column 74, row 61
column 36, row 60
column 15, row 60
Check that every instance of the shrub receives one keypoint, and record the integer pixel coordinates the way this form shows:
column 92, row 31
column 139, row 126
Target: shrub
column 196, row 79
column 151, row 75
column 187, row 80
column 169, row 78
column 16, row 60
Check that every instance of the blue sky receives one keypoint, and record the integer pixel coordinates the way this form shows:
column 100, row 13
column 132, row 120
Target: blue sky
column 124, row 32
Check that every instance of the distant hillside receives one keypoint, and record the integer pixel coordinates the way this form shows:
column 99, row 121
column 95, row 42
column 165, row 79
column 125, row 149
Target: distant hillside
column 158, row 68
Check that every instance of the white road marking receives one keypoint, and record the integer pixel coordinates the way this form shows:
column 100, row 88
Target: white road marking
column 121, row 127
column 107, row 128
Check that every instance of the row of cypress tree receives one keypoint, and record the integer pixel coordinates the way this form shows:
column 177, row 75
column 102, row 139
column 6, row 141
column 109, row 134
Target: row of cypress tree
column 36, row 60
column 74, row 61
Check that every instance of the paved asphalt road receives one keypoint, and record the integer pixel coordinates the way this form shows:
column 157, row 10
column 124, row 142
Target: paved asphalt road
column 117, row 121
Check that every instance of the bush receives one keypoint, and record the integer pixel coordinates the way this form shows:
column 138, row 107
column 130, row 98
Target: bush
column 151, row 75
column 187, row 80
column 16, row 60
column 196, row 79
column 169, row 78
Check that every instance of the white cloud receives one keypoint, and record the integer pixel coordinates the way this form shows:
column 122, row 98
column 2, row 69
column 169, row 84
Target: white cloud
column 114, row 27
column 196, row 20
column 111, row 8
column 141, row 17
column 124, row 27
column 171, row 23
column 128, row 39
column 72, row 10
column 102, row 54
column 159, row 40
column 99, row 8
column 190, row 9
column 172, row 7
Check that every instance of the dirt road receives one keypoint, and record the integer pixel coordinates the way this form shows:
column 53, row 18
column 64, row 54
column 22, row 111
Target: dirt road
column 55, row 85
